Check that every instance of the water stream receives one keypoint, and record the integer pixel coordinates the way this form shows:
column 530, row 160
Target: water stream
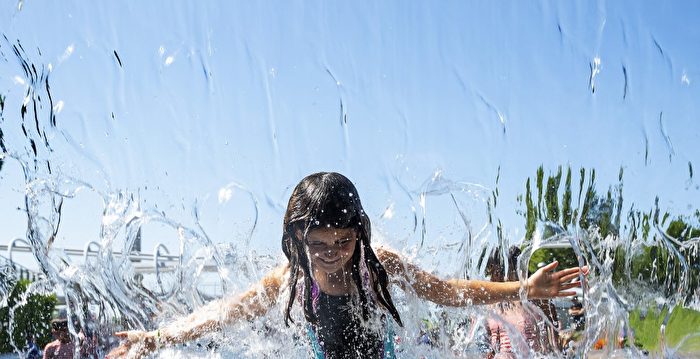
column 175, row 133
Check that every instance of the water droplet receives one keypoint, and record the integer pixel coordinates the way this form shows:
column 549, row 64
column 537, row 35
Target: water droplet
column 595, row 70
column 58, row 107
column 684, row 79
column 66, row 53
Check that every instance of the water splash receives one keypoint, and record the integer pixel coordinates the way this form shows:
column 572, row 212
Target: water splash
column 451, row 222
column 595, row 70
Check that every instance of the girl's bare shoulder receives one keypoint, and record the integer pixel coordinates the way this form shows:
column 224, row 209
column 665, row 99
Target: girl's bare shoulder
column 277, row 275
column 386, row 254
column 392, row 261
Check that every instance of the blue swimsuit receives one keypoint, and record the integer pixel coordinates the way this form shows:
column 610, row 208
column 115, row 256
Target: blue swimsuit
column 340, row 333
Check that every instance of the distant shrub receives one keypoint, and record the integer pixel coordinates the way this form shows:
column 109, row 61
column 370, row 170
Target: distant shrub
column 33, row 317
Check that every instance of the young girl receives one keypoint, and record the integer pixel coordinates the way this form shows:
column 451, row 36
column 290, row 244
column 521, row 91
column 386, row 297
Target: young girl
column 514, row 316
column 340, row 281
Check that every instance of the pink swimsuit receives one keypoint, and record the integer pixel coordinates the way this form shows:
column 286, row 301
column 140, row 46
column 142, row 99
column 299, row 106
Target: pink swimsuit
column 519, row 320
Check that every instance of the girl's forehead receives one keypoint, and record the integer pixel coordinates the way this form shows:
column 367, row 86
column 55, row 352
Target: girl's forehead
column 330, row 233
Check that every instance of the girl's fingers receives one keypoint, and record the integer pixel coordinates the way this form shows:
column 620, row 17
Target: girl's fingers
column 568, row 271
column 116, row 353
column 569, row 277
column 550, row 267
column 566, row 294
column 569, row 285
column 121, row 335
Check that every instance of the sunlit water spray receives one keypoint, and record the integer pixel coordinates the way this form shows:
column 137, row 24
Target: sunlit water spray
column 111, row 291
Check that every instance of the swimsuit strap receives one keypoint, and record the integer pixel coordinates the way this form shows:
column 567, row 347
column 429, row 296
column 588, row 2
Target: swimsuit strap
column 389, row 347
column 315, row 345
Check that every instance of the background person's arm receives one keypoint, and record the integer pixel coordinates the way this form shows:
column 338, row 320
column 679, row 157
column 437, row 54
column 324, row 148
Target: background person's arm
column 48, row 351
column 545, row 283
column 210, row 318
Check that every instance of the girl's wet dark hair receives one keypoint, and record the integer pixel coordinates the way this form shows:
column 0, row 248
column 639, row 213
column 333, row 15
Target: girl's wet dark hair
column 59, row 324
column 329, row 199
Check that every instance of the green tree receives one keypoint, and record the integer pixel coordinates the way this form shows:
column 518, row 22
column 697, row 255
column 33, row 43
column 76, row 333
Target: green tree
column 565, row 256
column 642, row 255
column 661, row 263
column 29, row 318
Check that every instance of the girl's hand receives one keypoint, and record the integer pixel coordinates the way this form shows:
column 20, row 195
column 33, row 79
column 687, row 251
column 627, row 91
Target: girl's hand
column 546, row 283
column 135, row 344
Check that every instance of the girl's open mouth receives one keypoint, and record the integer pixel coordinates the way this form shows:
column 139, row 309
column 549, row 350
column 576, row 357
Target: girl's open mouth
column 330, row 262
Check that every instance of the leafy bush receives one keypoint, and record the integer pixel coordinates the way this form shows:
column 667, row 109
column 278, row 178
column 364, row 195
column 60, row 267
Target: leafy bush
column 565, row 256
column 30, row 318
column 640, row 253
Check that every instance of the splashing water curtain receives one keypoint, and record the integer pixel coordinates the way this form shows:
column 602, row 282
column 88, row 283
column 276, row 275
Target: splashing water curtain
column 468, row 128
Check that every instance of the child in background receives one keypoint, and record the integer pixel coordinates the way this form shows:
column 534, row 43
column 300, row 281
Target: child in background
column 513, row 314
column 62, row 347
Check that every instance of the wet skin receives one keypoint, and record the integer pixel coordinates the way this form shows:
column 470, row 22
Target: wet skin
column 330, row 250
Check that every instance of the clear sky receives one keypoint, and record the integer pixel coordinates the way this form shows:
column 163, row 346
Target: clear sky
column 180, row 103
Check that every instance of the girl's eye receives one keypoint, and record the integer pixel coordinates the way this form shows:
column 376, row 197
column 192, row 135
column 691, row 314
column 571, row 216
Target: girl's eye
column 322, row 246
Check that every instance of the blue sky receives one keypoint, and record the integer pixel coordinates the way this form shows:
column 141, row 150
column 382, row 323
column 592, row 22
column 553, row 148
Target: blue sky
column 261, row 94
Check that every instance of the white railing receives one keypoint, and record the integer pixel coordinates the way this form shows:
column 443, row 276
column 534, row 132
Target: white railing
column 163, row 261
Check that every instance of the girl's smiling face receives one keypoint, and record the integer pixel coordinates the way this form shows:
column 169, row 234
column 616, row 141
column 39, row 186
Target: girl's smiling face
column 331, row 248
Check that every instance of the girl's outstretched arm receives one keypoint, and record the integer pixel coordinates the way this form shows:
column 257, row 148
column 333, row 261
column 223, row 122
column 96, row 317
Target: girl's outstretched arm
column 543, row 284
column 209, row 318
